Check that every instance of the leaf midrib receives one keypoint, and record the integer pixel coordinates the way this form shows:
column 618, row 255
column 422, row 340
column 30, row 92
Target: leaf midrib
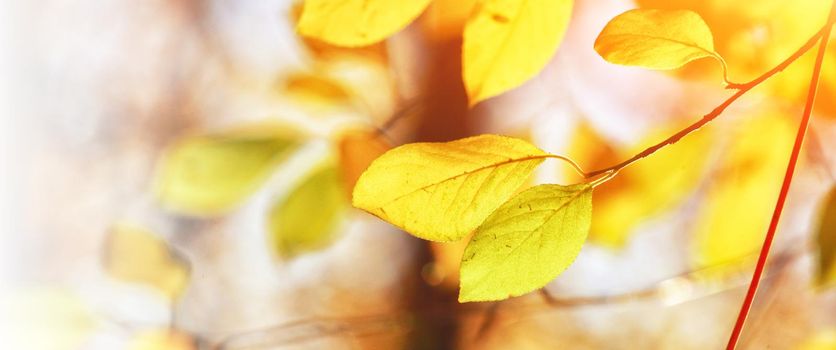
column 482, row 168
column 683, row 43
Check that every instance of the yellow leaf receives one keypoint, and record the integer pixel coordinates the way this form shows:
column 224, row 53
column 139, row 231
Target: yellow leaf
column 760, row 37
column 210, row 174
column 507, row 42
column 357, row 151
column 44, row 319
column 162, row 339
column 826, row 240
column 357, row 22
column 307, row 219
column 821, row 340
column 442, row 191
column 733, row 218
column 656, row 39
column 526, row 243
column 316, row 90
column 322, row 51
column 369, row 81
column 134, row 254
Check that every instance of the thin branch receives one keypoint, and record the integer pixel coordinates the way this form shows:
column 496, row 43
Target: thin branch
column 785, row 186
column 742, row 89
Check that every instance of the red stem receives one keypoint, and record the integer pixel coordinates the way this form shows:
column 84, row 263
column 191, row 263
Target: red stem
column 785, row 187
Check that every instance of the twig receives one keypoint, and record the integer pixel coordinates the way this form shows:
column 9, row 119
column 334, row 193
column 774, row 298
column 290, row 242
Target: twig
column 742, row 89
column 785, row 186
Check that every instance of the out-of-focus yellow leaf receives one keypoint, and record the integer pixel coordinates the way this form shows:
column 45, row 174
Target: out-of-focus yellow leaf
column 821, row 340
column 307, row 219
column 315, row 90
column 733, row 219
column 826, row 240
column 134, row 254
column 357, row 22
column 357, row 151
column 339, row 84
column 210, row 174
column 656, row 39
column 162, row 339
column 44, row 319
column 357, row 74
column 648, row 186
column 445, row 19
column 526, row 242
column 442, row 191
column 507, row 42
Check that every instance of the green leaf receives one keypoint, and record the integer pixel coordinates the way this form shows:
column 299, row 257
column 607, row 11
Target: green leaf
column 526, row 243
column 442, row 191
column 210, row 174
column 308, row 218
column 826, row 239
column 656, row 39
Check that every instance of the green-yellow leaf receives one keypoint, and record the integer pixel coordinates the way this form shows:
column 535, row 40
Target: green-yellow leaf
column 526, row 243
column 308, row 218
column 357, row 22
column 443, row 191
column 656, row 39
column 507, row 42
column 826, row 240
column 134, row 254
column 211, row 174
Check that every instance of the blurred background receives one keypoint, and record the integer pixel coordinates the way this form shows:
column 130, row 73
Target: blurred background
column 176, row 174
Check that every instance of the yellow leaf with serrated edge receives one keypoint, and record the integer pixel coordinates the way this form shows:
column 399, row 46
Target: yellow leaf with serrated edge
column 507, row 42
column 656, row 39
column 821, row 340
column 162, row 339
column 442, row 191
column 134, row 254
column 526, row 242
column 826, row 240
column 733, row 218
column 308, row 218
column 357, row 22
column 211, row 174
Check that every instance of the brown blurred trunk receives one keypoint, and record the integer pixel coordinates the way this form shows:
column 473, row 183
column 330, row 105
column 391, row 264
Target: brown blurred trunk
column 445, row 117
